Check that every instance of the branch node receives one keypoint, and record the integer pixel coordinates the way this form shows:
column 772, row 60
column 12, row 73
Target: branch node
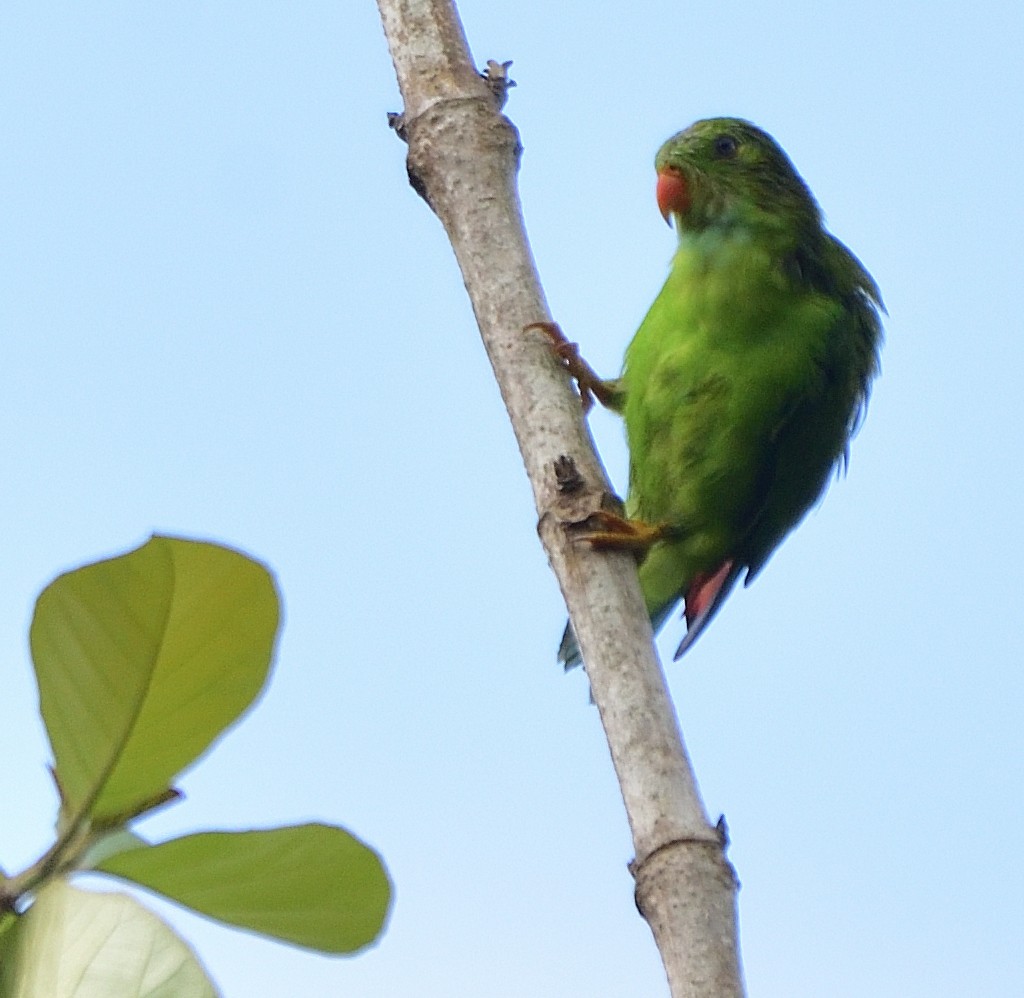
column 714, row 840
column 396, row 122
column 723, row 831
column 568, row 479
column 698, row 862
column 495, row 75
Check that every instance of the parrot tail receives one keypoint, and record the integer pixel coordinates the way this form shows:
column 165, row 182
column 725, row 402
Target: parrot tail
column 569, row 651
column 703, row 600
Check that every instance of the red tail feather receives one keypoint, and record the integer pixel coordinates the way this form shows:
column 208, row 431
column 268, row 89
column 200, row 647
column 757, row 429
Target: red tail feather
column 704, row 597
column 703, row 591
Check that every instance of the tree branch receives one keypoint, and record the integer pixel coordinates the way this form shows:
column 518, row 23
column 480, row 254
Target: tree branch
column 463, row 159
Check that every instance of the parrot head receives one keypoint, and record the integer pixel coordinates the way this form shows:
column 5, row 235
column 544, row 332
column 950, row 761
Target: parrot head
column 726, row 170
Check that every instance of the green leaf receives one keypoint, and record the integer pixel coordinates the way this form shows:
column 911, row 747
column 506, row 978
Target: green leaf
column 142, row 661
column 312, row 885
column 76, row 944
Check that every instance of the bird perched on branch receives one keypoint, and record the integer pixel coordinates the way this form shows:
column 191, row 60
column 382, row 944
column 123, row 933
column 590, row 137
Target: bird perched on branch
column 746, row 380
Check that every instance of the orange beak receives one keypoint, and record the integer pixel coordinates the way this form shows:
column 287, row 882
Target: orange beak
column 672, row 193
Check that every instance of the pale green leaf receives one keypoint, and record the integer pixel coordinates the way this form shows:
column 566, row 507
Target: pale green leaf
column 142, row 661
column 76, row 944
column 312, row 885
column 119, row 840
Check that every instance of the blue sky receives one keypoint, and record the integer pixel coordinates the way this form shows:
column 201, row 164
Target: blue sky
column 224, row 314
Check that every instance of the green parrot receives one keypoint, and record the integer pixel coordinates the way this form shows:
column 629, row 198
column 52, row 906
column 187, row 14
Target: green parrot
column 746, row 380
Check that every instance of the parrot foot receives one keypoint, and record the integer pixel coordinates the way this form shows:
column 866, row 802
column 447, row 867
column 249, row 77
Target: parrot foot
column 590, row 385
column 617, row 533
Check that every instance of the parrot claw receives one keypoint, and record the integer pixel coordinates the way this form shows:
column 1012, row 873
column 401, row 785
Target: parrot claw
column 590, row 385
column 617, row 533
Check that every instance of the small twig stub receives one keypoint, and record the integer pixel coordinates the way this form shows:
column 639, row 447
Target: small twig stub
column 495, row 75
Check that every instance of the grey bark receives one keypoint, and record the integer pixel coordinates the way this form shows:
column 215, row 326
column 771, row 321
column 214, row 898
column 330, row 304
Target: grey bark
column 463, row 158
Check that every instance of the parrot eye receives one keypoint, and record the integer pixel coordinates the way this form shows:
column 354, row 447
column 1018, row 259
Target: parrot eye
column 725, row 146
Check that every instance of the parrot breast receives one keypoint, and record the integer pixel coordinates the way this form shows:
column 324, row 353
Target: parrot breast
column 739, row 397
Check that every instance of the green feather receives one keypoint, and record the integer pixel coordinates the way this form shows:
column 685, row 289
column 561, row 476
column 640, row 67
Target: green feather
column 745, row 381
